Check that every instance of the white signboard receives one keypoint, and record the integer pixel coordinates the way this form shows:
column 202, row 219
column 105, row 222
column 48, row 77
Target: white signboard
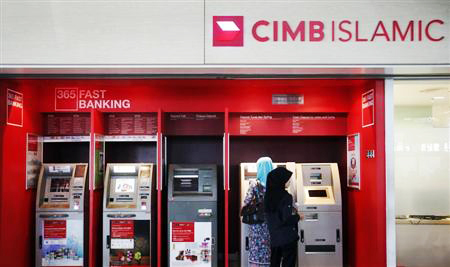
column 327, row 32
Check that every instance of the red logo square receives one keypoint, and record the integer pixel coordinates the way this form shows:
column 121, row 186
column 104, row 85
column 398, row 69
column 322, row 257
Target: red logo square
column 228, row 31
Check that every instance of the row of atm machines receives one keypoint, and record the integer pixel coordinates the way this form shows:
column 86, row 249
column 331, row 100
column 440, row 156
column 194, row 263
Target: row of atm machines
column 61, row 207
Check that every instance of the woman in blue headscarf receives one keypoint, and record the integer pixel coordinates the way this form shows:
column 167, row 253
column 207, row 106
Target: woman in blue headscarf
column 259, row 238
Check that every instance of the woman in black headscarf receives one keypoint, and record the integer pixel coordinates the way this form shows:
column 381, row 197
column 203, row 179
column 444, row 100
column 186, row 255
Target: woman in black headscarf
column 282, row 219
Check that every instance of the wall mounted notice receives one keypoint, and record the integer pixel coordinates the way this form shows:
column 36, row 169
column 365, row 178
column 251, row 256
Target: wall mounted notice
column 34, row 160
column 368, row 108
column 131, row 124
column 190, row 244
column 353, row 161
column 67, row 124
column 190, row 123
column 14, row 108
column 288, row 124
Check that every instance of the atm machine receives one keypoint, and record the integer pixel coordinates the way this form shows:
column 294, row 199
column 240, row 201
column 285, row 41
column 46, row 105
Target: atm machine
column 60, row 218
column 127, row 217
column 248, row 173
column 319, row 199
column 192, row 215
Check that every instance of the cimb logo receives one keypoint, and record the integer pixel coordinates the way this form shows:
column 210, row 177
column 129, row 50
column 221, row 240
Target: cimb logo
column 228, row 31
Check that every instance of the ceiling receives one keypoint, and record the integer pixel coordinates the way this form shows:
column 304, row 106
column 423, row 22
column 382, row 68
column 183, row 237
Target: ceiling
column 420, row 92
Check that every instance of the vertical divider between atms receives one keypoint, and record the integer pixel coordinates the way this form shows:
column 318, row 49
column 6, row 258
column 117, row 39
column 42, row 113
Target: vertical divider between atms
column 160, row 164
column 227, row 180
column 95, row 194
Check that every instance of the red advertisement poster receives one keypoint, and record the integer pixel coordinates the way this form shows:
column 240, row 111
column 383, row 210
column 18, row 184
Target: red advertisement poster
column 55, row 229
column 131, row 124
column 130, row 243
column 183, row 232
column 122, row 229
column 14, row 108
column 368, row 108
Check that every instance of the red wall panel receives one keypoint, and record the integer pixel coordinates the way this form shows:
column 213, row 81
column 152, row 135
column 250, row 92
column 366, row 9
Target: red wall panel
column 208, row 95
column 365, row 209
column 17, row 210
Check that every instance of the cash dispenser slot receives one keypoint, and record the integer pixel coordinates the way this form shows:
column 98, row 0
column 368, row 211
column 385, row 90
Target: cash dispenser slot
column 320, row 249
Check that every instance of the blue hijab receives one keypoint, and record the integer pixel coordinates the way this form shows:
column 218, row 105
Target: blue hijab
column 263, row 167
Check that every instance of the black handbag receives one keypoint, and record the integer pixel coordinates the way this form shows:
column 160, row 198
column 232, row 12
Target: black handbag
column 253, row 212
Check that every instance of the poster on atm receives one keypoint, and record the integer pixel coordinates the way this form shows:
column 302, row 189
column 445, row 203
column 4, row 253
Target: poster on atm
column 62, row 243
column 190, row 244
column 130, row 243
column 353, row 161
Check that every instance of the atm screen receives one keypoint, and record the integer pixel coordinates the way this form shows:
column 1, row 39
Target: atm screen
column 316, row 176
column 317, row 193
column 59, row 185
column 124, row 185
column 185, row 184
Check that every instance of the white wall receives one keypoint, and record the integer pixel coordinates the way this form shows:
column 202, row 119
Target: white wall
column 422, row 169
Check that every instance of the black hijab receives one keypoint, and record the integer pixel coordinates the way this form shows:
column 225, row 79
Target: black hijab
column 275, row 188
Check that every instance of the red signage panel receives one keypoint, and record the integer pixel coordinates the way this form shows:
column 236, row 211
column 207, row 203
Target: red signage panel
column 55, row 229
column 194, row 123
column 122, row 229
column 183, row 232
column 131, row 123
column 67, row 124
column 14, row 108
column 288, row 124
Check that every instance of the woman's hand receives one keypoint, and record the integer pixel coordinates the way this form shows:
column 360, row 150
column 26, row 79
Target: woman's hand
column 302, row 216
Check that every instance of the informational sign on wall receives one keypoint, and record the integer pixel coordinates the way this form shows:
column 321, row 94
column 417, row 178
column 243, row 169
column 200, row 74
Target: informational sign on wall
column 34, row 160
column 190, row 244
column 62, row 243
column 131, row 124
column 190, row 123
column 67, row 124
column 14, row 108
column 288, row 124
column 353, row 161
column 368, row 108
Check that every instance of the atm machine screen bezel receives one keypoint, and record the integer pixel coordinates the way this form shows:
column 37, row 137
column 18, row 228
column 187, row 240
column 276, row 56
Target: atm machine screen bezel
column 60, row 199
column 195, row 174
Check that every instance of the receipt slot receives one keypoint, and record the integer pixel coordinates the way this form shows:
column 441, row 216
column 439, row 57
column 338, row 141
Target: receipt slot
column 319, row 198
column 60, row 220
column 127, row 215
column 248, row 174
column 192, row 215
